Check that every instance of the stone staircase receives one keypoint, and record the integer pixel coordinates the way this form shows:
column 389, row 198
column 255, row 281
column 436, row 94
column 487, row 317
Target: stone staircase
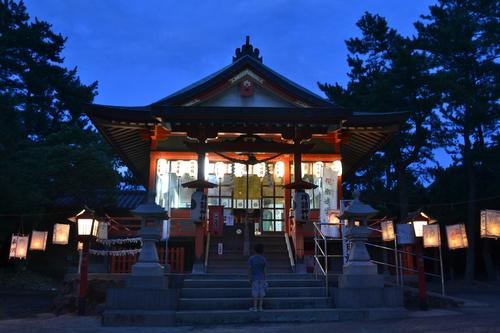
column 226, row 298
column 232, row 260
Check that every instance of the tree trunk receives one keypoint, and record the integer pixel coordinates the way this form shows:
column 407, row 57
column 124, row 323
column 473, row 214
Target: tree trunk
column 488, row 260
column 403, row 193
column 471, row 194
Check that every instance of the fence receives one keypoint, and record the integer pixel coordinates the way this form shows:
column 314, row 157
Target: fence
column 175, row 259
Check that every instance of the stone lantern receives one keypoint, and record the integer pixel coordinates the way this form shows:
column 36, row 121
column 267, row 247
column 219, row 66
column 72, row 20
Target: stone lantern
column 359, row 285
column 148, row 272
column 358, row 265
column 146, row 299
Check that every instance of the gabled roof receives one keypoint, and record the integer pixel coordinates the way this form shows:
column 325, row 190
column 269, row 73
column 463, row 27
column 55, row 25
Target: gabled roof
column 189, row 93
column 128, row 129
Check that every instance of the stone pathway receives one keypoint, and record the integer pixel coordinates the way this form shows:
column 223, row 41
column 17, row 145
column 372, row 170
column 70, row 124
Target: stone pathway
column 475, row 320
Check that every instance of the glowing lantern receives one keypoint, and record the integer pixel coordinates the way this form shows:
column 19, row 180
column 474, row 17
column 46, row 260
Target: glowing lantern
column 490, row 224
column 279, row 169
column 306, row 169
column 162, row 168
column 18, row 246
column 220, row 170
column 102, row 230
column 87, row 223
column 318, row 169
column 38, row 240
column 431, row 235
column 337, row 167
column 193, row 168
column 79, row 246
column 332, row 217
column 259, row 169
column 418, row 226
column 239, row 169
column 457, row 236
column 61, row 234
column 388, row 233
column 332, row 229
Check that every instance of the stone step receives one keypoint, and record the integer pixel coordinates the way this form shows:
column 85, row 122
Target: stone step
column 247, row 292
column 220, row 283
column 242, row 303
column 215, row 317
column 215, row 256
column 232, row 270
column 138, row 318
column 244, row 276
column 228, row 251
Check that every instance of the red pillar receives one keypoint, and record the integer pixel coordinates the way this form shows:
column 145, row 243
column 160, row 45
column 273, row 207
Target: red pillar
column 82, row 298
column 422, row 286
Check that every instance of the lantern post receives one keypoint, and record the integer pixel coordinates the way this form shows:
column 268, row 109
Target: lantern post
column 87, row 232
column 419, row 220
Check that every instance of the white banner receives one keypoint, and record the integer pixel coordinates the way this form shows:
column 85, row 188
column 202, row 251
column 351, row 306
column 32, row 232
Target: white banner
column 328, row 201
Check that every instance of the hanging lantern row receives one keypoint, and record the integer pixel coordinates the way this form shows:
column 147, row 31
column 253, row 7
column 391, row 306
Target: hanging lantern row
column 457, row 236
column 60, row 235
column 38, row 240
column 19, row 246
column 388, row 233
column 431, row 237
column 490, row 224
column 88, row 226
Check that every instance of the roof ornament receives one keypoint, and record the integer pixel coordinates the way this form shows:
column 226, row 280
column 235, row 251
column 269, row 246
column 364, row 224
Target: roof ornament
column 247, row 49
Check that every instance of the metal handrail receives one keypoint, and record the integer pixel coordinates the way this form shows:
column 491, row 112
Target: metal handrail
column 290, row 254
column 317, row 231
column 207, row 248
column 400, row 268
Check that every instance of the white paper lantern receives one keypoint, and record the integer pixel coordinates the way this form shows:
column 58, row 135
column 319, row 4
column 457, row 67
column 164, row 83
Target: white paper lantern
column 387, row 228
column 220, row 170
column 175, row 167
column 102, row 230
column 490, row 224
column 432, row 237
column 279, row 169
column 239, row 169
column 418, row 225
column 18, row 246
column 337, row 167
column 318, row 169
column 61, row 234
column 162, row 168
column 259, row 169
column 38, row 240
column 457, row 236
column 193, row 168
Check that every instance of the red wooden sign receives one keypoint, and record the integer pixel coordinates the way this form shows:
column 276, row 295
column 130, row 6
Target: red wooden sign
column 216, row 220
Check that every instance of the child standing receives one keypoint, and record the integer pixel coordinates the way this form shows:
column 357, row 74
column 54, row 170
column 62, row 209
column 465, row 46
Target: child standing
column 257, row 271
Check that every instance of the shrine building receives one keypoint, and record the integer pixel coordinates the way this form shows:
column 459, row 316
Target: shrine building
column 244, row 156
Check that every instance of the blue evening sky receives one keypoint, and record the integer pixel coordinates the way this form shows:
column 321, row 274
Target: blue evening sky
column 141, row 51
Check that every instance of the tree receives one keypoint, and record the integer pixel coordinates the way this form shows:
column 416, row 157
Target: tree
column 462, row 39
column 388, row 73
column 49, row 148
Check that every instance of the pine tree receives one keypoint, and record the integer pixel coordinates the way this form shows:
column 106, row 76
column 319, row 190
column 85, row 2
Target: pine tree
column 387, row 74
column 462, row 37
column 49, row 148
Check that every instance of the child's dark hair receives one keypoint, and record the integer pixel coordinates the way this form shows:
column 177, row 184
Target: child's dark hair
column 259, row 248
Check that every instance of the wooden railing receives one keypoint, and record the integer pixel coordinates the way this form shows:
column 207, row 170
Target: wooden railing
column 175, row 259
